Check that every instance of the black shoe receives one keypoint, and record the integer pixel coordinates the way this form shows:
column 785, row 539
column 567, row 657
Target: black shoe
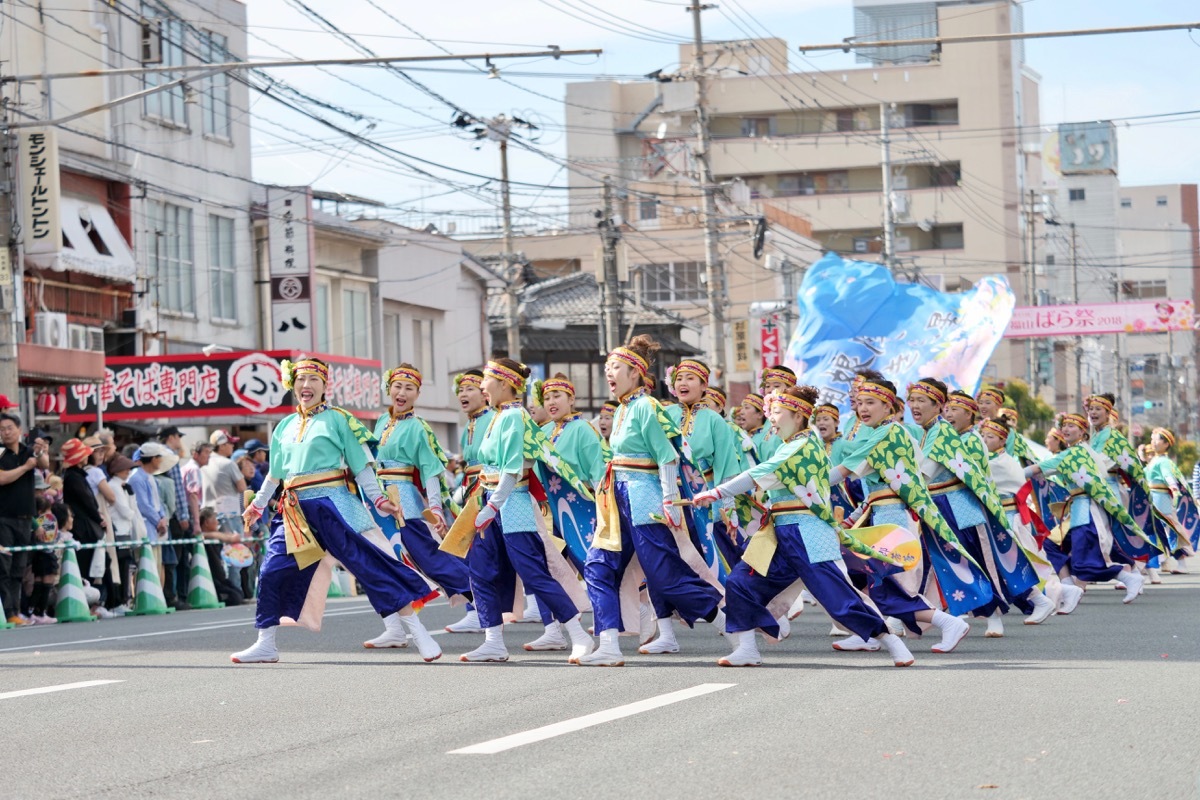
column 182, row 606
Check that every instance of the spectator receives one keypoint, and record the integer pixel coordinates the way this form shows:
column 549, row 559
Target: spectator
column 170, row 553
column 7, row 406
column 228, row 586
column 154, row 458
column 51, row 517
column 98, row 480
column 40, row 441
column 89, row 525
column 179, row 522
column 224, row 483
column 106, row 448
column 193, row 482
column 17, row 478
column 127, row 525
column 258, row 452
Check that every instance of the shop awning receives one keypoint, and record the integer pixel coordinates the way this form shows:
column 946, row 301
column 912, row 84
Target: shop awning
column 38, row 365
column 92, row 244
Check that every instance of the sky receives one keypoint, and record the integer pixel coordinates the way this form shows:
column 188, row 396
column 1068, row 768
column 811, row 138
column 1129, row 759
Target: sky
column 1083, row 78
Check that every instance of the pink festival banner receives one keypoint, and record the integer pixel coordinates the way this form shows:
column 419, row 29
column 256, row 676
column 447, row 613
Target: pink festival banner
column 1132, row 316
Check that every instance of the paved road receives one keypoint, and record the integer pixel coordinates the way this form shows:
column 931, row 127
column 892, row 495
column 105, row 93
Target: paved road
column 1101, row 704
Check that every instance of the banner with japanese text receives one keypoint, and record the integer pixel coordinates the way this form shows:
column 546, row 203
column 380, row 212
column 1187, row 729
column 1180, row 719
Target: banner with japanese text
column 191, row 385
column 855, row 315
column 1131, row 316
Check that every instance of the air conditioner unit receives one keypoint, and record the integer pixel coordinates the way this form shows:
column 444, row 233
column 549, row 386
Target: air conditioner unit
column 903, row 244
column 50, row 329
column 95, row 339
column 77, row 336
column 151, row 41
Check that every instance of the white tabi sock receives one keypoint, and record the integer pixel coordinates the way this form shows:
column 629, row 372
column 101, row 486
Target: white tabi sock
column 941, row 619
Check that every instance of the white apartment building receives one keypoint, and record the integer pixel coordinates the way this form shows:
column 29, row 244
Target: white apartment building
column 153, row 192
column 1103, row 243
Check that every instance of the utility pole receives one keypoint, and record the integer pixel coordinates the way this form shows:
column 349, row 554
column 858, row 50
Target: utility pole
column 1075, row 296
column 714, row 273
column 498, row 129
column 1031, row 289
column 609, row 236
column 10, row 268
column 889, row 209
column 1170, row 379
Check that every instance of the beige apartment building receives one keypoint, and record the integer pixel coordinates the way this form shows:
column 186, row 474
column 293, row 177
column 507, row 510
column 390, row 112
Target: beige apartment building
column 804, row 149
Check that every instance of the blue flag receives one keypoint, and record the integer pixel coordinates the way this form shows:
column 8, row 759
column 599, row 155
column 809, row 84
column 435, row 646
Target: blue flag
column 855, row 315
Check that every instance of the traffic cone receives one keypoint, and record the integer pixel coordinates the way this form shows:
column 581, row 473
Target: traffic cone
column 202, row 593
column 150, row 599
column 71, row 605
column 335, row 585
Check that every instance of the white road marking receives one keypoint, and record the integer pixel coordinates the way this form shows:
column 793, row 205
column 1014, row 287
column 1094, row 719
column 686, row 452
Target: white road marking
column 579, row 723
column 62, row 687
column 195, row 629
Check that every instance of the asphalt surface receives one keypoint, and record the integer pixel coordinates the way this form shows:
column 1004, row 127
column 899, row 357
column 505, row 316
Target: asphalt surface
column 1096, row 705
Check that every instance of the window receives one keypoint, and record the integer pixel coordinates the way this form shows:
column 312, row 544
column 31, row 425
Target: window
column 672, row 282
column 793, row 185
column 171, row 256
column 1145, row 290
column 1051, row 260
column 214, row 96
column 757, row 126
column 919, row 114
column 647, row 208
column 845, row 119
column 422, row 350
column 324, row 315
column 168, row 105
column 391, row 340
column 1161, row 201
column 1075, row 195
column 948, row 237
column 222, row 268
column 1126, row 202
column 356, row 323
column 946, row 174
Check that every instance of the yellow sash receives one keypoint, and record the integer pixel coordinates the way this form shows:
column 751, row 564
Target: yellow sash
column 608, row 516
column 763, row 544
column 461, row 535
column 301, row 543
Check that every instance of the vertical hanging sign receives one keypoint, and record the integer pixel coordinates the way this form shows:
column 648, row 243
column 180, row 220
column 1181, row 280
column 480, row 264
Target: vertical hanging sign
column 741, row 345
column 40, row 191
column 769, row 341
column 289, row 240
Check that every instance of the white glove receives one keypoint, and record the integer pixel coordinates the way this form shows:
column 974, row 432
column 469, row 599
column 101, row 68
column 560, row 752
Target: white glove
column 485, row 516
column 668, row 477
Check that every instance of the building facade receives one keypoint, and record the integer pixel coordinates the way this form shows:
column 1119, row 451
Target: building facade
column 805, row 148
column 152, row 248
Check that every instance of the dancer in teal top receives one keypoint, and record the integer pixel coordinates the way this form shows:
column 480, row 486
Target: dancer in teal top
column 710, row 456
column 479, row 415
column 411, row 467
column 511, row 539
column 754, row 423
column 313, row 453
column 1173, row 501
column 637, row 516
column 807, row 545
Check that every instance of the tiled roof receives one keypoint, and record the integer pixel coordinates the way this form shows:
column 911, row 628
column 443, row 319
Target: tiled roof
column 575, row 300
